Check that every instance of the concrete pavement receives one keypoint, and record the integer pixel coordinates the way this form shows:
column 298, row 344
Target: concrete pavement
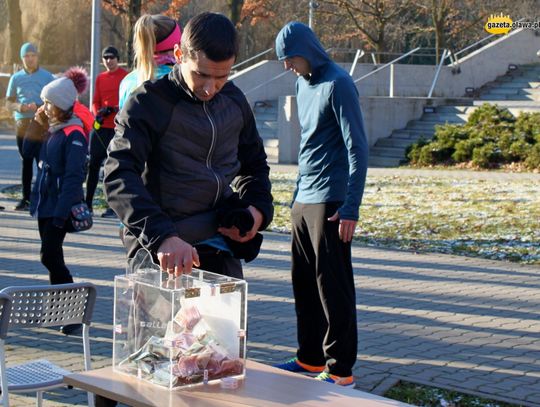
column 465, row 324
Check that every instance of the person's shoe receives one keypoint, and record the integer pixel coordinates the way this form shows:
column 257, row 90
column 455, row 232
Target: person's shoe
column 23, row 205
column 71, row 329
column 294, row 365
column 346, row 381
column 109, row 213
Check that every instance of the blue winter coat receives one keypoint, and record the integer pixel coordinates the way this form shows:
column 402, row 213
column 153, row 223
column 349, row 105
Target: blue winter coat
column 61, row 173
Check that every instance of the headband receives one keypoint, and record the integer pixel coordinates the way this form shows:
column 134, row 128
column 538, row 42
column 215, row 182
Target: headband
column 168, row 43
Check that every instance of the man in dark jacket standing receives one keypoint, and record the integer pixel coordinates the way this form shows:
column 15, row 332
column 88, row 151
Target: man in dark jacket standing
column 332, row 167
column 180, row 143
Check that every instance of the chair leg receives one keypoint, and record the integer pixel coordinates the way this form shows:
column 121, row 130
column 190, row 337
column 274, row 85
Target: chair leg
column 39, row 399
column 91, row 402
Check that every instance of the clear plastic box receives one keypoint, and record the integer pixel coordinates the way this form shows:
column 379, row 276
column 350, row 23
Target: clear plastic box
column 179, row 332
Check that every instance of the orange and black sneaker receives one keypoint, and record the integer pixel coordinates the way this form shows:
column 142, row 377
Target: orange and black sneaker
column 346, row 381
column 294, row 365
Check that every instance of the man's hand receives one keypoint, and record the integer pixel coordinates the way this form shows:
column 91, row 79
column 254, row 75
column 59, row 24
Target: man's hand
column 346, row 227
column 234, row 234
column 177, row 256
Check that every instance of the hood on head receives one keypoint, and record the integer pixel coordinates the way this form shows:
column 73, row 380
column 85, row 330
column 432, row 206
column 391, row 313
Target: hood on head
column 298, row 40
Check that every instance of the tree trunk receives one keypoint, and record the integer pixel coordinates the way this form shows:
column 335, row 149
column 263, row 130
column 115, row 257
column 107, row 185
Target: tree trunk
column 134, row 12
column 15, row 29
column 235, row 7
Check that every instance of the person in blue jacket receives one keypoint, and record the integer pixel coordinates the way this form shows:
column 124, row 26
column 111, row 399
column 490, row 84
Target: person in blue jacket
column 22, row 98
column 61, row 173
column 332, row 166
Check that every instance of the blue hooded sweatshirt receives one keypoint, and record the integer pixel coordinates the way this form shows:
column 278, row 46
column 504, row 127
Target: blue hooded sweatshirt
column 332, row 161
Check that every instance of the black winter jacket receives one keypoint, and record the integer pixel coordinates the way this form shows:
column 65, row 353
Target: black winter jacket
column 174, row 158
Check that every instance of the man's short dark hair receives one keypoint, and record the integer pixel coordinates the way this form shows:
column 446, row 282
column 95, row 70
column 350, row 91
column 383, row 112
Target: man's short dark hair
column 210, row 33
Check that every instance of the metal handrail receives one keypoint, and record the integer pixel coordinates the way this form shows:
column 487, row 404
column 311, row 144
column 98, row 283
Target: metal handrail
column 252, row 58
column 387, row 64
column 359, row 54
column 437, row 72
column 468, row 47
column 267, row 82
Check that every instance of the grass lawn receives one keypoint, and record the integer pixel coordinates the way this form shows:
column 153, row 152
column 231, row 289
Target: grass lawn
column 419, row 395
column 489, row 218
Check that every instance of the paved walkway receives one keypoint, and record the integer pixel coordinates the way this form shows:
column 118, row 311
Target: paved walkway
column 465, row 324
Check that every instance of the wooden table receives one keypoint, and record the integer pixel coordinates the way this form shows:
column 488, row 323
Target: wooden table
column 263, row 386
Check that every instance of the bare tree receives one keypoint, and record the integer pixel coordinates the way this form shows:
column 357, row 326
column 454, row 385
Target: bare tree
column 369, row 20
column 15, row 29
column 450, row 19
column 235, row 7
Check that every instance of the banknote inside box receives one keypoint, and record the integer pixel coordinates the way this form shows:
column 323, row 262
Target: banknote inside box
column 182, row 331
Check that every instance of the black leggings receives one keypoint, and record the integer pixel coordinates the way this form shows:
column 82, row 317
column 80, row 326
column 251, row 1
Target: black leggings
column 99, row 141
column 51, row 253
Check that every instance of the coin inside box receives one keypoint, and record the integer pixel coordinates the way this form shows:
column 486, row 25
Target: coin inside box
column 178, row 332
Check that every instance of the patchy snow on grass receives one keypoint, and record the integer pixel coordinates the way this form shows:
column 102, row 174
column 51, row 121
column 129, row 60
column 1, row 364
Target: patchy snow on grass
column 488, row 218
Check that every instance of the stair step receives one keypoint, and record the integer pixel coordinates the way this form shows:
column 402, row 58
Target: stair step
column 266, row 116
column 489, row 96
column 503, row 90
column 408, row 134
column 452, row 109
column 436, row 118
column 267, row 124
column 518, row 83
column 395, row 152
column 530, row 91
column 383, row 162
column 421, row 125
column 394, row 142
column 266, row 133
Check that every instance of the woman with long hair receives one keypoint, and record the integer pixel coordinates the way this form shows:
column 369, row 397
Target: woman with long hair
column 154, row 39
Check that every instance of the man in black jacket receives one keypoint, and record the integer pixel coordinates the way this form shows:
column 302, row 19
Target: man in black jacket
column 182, row 143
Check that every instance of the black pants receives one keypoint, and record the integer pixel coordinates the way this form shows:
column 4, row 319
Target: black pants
column 99, row 141
column 51, row 253
column 27, row 159
column 324, row 292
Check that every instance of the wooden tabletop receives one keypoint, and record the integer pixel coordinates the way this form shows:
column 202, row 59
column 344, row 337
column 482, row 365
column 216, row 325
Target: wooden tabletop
column 263, row 386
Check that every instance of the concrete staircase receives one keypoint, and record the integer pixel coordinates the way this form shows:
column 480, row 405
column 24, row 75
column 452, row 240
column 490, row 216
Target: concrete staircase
column 266, row 116
column 518, row 90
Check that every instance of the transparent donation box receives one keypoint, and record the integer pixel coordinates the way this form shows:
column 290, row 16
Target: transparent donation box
column 178, row 332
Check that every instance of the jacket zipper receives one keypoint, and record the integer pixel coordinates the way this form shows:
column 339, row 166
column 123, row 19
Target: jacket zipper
column 211, row 151
column 40, row 184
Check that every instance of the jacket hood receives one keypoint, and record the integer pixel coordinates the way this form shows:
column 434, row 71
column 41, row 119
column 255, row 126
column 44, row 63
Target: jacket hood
column 73, row 121
column 298, row 40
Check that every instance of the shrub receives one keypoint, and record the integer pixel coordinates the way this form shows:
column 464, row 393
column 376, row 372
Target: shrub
column 490, row 114
column 528, row 126
column 413, row 151
column 491, row 137
column 533, row 158
column 464, row 150
column 486, row 156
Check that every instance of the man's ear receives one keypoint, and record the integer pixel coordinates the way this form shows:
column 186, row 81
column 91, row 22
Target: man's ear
column 177, row 51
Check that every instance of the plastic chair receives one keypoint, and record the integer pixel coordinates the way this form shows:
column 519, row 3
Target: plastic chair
column 43, row 306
